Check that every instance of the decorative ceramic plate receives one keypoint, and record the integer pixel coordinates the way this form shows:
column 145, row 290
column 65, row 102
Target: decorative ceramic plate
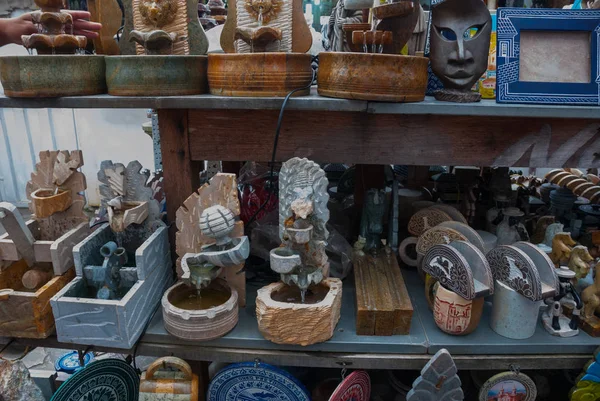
column 106, row 379
column 355, row 387
column 508, row 386
column 69, row 362
column 250, row 381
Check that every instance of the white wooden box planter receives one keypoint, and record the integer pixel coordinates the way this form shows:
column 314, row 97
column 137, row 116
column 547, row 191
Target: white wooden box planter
column 83, row 319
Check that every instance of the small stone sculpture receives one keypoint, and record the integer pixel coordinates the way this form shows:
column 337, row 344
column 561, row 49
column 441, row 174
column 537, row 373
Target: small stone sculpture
column 303, row 216
column 541, row 227
column 460, row 41
column 555, row 322
column 579, row 261
column 511, row 230
column 371, row 224
column 114, row 259
column 591, row 296
column 438, row 381
column 562, row 244
column 202, row 268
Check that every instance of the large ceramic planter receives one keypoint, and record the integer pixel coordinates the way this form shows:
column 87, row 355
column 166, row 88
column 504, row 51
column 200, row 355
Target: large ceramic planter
column 369, row 76
column 200, row 324
column 83, row 319
column 297, row 323
column 52, row 75
column 156, row 75
column 259, row 74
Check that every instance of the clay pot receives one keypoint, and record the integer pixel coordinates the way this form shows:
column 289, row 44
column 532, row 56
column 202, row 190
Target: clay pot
column 156, row 75
column 455, row 315
column 368, row 76
column 259, row 74
column 52, row 75
column 298, row 323
column 46, row 202
column 201, row 324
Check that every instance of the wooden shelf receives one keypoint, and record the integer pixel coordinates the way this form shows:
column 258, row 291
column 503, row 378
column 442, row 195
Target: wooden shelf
column 481, row 350
column 314, row 102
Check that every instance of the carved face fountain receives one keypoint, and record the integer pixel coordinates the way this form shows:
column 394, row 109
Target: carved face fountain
column 157, row 16
column 460, row 41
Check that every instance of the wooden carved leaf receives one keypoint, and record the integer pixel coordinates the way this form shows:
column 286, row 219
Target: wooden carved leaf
column 52, row 164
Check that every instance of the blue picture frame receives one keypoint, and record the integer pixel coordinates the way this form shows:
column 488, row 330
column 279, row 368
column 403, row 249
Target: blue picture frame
column 511, row 21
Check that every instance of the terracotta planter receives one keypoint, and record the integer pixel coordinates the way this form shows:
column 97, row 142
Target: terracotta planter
column 455, row 315
column 46, row 202
column 297, row 323
column 368, row 76
column 52, row 75
column 156, row 75
column 259, row 74
column 201, row 324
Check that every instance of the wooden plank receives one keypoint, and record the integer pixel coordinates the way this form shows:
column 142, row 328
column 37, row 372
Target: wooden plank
column 383, row 307
column 181, row 174
column 352, row 137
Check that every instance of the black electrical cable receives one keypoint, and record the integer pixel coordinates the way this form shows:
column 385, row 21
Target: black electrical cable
column 275, row 143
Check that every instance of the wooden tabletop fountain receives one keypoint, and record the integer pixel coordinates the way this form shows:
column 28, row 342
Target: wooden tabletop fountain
column 203, row 305
column 304, row 307
column 36, row 258
column 122, row 268
column 374, row 69
column 265, row 43
column 168, row 34
column 59, row 68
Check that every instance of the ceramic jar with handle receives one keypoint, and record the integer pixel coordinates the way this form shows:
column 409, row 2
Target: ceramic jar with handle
column 169, row 379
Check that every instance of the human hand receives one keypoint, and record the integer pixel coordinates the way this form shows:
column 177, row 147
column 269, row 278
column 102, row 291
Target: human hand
column 83, row 26
column 12, row 29
column 340, row 22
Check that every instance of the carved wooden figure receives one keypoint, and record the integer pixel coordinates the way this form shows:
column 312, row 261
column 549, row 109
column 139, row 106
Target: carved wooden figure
column 562, row 244
column 579, row 261
column 38, row 254
column 117, row 322
column 438, row 380
column 590, row 314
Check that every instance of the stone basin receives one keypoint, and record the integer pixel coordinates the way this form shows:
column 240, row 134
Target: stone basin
column 52, row 75
column 284, row 260
column 156, row 75
column 199, row 324
column 46, row 202
column 259, row 74
column 369, row 76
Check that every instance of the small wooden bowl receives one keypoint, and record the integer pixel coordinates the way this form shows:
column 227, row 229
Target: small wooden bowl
column 259, row 74
column 369, row 76
column 46, row 202
column 201, row 324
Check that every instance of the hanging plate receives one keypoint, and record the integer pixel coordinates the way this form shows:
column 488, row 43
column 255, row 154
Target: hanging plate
column 69, row 362
column 250, row 381
column 508, row 386
column 355, row 387
column 106, row 379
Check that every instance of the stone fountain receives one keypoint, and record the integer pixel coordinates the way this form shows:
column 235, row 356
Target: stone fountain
column 36, row 258
column 169, row 36
column 122, row 268
column 60, row 68
column 374, row 69
column 265, row 43
column 304, row 307
column 203, row 305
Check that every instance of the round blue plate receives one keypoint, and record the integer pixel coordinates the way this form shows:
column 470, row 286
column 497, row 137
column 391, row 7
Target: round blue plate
column 250, row 381
column 69, row 362
column 106, row 379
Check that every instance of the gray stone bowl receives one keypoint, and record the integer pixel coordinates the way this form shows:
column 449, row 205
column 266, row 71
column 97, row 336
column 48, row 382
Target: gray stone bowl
column 52, row 75
column 156, row 75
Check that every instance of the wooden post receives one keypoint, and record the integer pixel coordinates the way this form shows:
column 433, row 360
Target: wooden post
column 181, row 174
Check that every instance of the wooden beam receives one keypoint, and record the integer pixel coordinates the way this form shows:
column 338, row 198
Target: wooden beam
column 181, row 173
column 355, row 137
